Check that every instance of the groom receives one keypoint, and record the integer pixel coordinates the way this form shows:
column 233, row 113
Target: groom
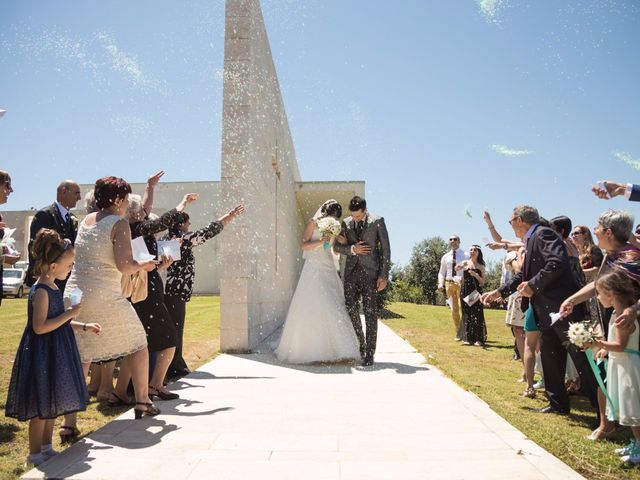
column 367, row 270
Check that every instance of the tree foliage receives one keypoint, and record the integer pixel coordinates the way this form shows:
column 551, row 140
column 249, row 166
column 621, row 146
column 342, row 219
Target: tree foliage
column 423, row 267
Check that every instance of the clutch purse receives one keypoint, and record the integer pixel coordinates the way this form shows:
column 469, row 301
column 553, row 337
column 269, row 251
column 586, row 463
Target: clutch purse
column 134, row 286
column 472, row 298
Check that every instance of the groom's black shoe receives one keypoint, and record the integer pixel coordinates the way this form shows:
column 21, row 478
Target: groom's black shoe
column 367, row 362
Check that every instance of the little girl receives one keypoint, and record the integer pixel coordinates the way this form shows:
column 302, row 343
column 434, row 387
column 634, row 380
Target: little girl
column 623, row 371
column 47, row 379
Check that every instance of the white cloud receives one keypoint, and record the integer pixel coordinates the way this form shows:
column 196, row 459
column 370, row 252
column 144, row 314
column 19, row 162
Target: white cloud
column 628, row 159
column 509, row 152
column 490, row 9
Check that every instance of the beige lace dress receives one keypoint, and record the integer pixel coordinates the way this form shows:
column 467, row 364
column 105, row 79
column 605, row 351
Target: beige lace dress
column 95, row 273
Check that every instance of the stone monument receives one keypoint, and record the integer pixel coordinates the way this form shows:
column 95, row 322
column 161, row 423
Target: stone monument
column 260, row 255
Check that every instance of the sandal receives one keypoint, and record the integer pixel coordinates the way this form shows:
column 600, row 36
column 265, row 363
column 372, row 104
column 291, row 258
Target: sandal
column 162, row 395
column 119, row 402
column 529, row 393
column 68, row 433
column 599, row 434
column 150, row 410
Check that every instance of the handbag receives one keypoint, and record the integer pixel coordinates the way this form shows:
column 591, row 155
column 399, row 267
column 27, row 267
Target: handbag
column 472, row 298
column 134, row 286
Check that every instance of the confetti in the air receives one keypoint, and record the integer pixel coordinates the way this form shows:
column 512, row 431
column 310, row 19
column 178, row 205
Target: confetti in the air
column 509, row 152
column 2, row 112
column 628, row 159
column 467, row 211
column 490, row 9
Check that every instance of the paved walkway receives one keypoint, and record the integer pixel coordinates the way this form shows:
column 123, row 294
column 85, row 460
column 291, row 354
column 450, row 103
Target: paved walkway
column 246, row 417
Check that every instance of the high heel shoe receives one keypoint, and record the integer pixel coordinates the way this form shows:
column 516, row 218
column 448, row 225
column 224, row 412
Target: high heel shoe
column 119, row 402
column 150, row 410
column 162, row 395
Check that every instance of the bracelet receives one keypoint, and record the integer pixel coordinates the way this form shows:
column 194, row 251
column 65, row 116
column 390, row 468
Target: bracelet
column 84, row 327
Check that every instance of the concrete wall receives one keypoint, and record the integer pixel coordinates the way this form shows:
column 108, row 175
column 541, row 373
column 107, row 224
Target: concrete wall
column 167, row 196
column 261, row 260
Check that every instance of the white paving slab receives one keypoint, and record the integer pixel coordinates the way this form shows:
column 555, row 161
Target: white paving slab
column 246, row 416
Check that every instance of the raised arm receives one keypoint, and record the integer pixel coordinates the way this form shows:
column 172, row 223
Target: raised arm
column 492, row 229
column 147, row 198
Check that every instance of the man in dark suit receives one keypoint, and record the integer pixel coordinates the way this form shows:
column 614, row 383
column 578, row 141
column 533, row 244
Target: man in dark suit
column 366, row 271
column 58, row 217
column 544, row 282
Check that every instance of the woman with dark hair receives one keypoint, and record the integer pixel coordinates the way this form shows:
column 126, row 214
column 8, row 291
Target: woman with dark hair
column 318, row 327
column 161, row 330
column 181, row 274
column 103, row 255
column 472, row 309
column 562, row 225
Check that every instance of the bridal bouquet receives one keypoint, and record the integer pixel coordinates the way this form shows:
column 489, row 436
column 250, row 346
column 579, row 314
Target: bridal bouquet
column 579, row 334
column 329, row 226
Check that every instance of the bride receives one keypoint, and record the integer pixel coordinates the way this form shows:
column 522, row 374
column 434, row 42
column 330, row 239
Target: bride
column 318, row 328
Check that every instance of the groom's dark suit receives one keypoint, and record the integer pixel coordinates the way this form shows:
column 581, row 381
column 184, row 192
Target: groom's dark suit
column 50, row 217
column 547, row 271
column 362, row 273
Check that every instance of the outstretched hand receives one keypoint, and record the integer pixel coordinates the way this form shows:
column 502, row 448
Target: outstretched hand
column 154, row 179
column 610, row 190
column 489, row 297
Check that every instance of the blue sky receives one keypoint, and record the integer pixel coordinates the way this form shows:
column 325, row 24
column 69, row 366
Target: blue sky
column 441, row 107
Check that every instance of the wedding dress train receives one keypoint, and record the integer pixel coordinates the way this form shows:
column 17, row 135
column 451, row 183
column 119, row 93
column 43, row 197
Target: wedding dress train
column 318, row 328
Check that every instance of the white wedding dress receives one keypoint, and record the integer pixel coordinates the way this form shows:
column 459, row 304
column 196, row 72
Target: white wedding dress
column 318, row 328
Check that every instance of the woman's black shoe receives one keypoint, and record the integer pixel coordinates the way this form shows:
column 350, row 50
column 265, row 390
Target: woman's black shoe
column 162, row 395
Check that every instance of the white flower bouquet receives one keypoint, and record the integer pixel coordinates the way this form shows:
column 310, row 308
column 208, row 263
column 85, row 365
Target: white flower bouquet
column 329, row 226
column 580, row 334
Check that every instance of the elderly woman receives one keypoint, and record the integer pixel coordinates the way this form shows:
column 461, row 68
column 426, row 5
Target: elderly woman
column 103, row 255
column 612, row 232
column 161, row 331
column 181, row 274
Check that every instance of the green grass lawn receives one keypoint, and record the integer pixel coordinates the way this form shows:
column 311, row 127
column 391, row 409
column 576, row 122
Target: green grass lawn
column 491, row 374
column 201, row 344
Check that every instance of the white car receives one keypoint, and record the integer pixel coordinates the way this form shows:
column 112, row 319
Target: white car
column 13, row 282
column 22, row 265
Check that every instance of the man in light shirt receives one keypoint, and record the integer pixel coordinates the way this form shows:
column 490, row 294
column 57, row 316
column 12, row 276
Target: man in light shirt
column 58, row 217
column 450, row 279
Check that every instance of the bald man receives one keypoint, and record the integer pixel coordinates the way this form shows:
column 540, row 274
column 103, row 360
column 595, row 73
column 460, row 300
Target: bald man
column 58, row 217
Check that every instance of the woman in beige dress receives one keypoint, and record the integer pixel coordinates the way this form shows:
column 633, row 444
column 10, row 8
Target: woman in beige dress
column 103, row 255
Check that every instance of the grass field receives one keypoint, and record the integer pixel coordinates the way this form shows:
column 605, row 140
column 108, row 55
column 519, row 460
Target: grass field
column 490, row 373
column 201, row 344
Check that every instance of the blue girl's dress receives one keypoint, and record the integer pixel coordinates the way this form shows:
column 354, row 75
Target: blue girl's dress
column 47, row 379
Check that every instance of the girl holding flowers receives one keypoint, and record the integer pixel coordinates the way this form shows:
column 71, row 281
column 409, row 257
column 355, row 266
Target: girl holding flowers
column 623, row 370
